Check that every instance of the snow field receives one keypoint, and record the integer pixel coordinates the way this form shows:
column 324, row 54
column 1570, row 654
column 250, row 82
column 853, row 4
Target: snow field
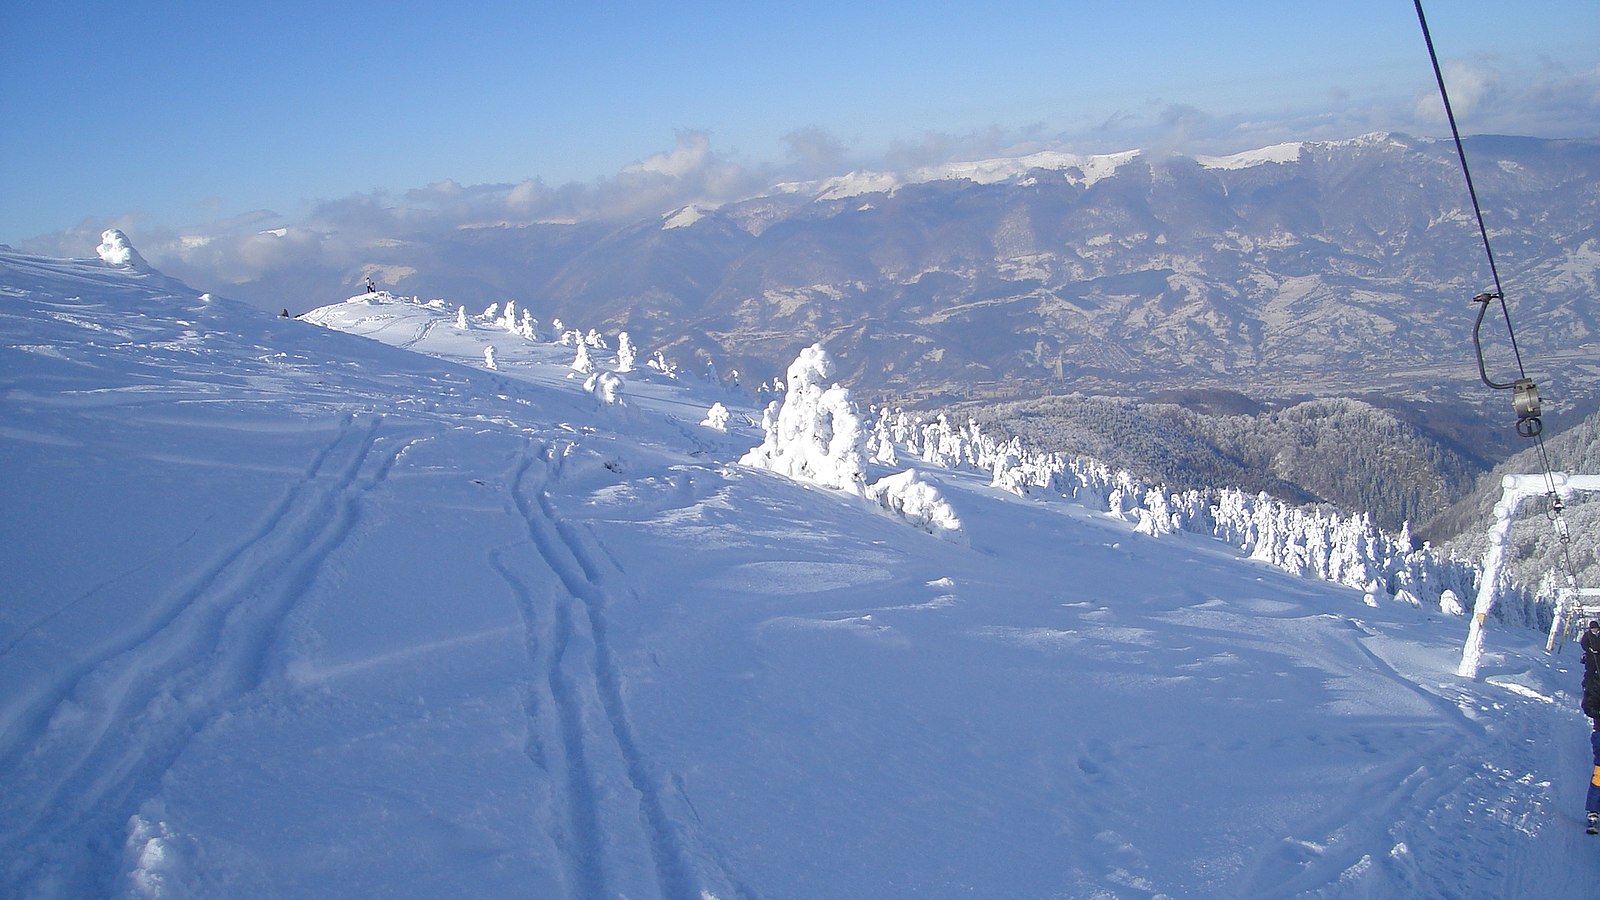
column 295, row 614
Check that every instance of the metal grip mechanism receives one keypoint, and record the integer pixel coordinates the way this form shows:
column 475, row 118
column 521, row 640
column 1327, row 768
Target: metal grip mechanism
column 1524, row 393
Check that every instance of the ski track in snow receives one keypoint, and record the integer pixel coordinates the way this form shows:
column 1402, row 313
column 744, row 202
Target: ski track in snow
column 582, row 675
column 98, row 742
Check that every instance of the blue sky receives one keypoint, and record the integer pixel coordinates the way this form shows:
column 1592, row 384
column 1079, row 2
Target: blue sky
column 182, row 114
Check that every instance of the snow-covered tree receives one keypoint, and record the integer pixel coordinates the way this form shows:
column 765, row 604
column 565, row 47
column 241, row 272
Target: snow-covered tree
column 606, row 387
column 626, row 353
column 488, row 358
column 911, row 497
column 116, row 250
column 659, row 362
column 716, row 417
column 461, row 318
column 817, row 434
column 583, row 364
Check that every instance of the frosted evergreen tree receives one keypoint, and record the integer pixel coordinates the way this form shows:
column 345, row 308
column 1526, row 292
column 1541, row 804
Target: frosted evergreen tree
column 605, row 387
column 625, row 353
column 593, row 339
column 911, row 497
column 583, row 364
column 488, row 358
column 716, row 417
column 116, row 250
column 461, row 318
column 817, row 434
column 659, row 362
column 508, row 319
column 490, row 313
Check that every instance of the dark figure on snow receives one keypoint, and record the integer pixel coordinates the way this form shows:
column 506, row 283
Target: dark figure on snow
column 1592, row 804
column 1590, row 642
column 1591, row 695
column 371, row 288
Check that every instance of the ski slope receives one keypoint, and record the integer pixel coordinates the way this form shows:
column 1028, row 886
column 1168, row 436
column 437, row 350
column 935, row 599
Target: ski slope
column 299, row 611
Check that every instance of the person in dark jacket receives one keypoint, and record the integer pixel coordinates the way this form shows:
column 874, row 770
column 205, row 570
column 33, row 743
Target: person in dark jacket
column 1591, row 695
column 1590, row 643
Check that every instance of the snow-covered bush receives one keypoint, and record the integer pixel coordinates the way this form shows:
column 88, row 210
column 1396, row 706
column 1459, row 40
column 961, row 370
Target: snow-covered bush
column 816, row 435
column 116, row 250
column 660, row 363
column 606, row 387
column 911, row 497
column 716, row 417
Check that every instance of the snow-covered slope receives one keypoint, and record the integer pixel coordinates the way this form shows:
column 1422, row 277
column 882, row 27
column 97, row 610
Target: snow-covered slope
column 288, row 612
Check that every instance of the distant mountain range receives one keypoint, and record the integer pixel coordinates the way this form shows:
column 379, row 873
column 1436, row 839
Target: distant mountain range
column 1313, row 269
column 1182, row 317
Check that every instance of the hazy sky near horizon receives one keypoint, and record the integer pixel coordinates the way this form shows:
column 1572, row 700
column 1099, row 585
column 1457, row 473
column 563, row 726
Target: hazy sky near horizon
column 181, row 114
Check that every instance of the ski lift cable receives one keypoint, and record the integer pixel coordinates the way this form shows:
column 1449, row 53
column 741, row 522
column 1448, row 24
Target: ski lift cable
column 1472, row 191
column 1526, row 398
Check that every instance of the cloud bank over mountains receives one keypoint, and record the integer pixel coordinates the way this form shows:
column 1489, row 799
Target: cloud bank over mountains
column 1541, row 98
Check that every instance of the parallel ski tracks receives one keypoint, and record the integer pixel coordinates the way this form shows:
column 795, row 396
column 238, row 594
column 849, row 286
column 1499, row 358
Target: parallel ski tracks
column 96, row 744
column 568, row 644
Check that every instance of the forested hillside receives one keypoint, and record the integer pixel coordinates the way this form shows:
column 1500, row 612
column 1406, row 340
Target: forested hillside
column 1345, row 452
column 1537, row 550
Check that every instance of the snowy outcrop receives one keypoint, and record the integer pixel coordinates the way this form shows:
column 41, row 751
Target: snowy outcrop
column 816, row 435
column 116, row 250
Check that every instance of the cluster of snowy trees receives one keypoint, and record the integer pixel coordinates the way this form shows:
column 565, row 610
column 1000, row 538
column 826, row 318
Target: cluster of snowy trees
column 816, row 434
column 1314, row 542
column 1341, row 450
column 605, row 386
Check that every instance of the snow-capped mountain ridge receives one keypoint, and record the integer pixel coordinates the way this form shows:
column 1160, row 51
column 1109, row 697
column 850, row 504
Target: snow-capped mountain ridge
column 1092, row 167
column 1318, row 269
